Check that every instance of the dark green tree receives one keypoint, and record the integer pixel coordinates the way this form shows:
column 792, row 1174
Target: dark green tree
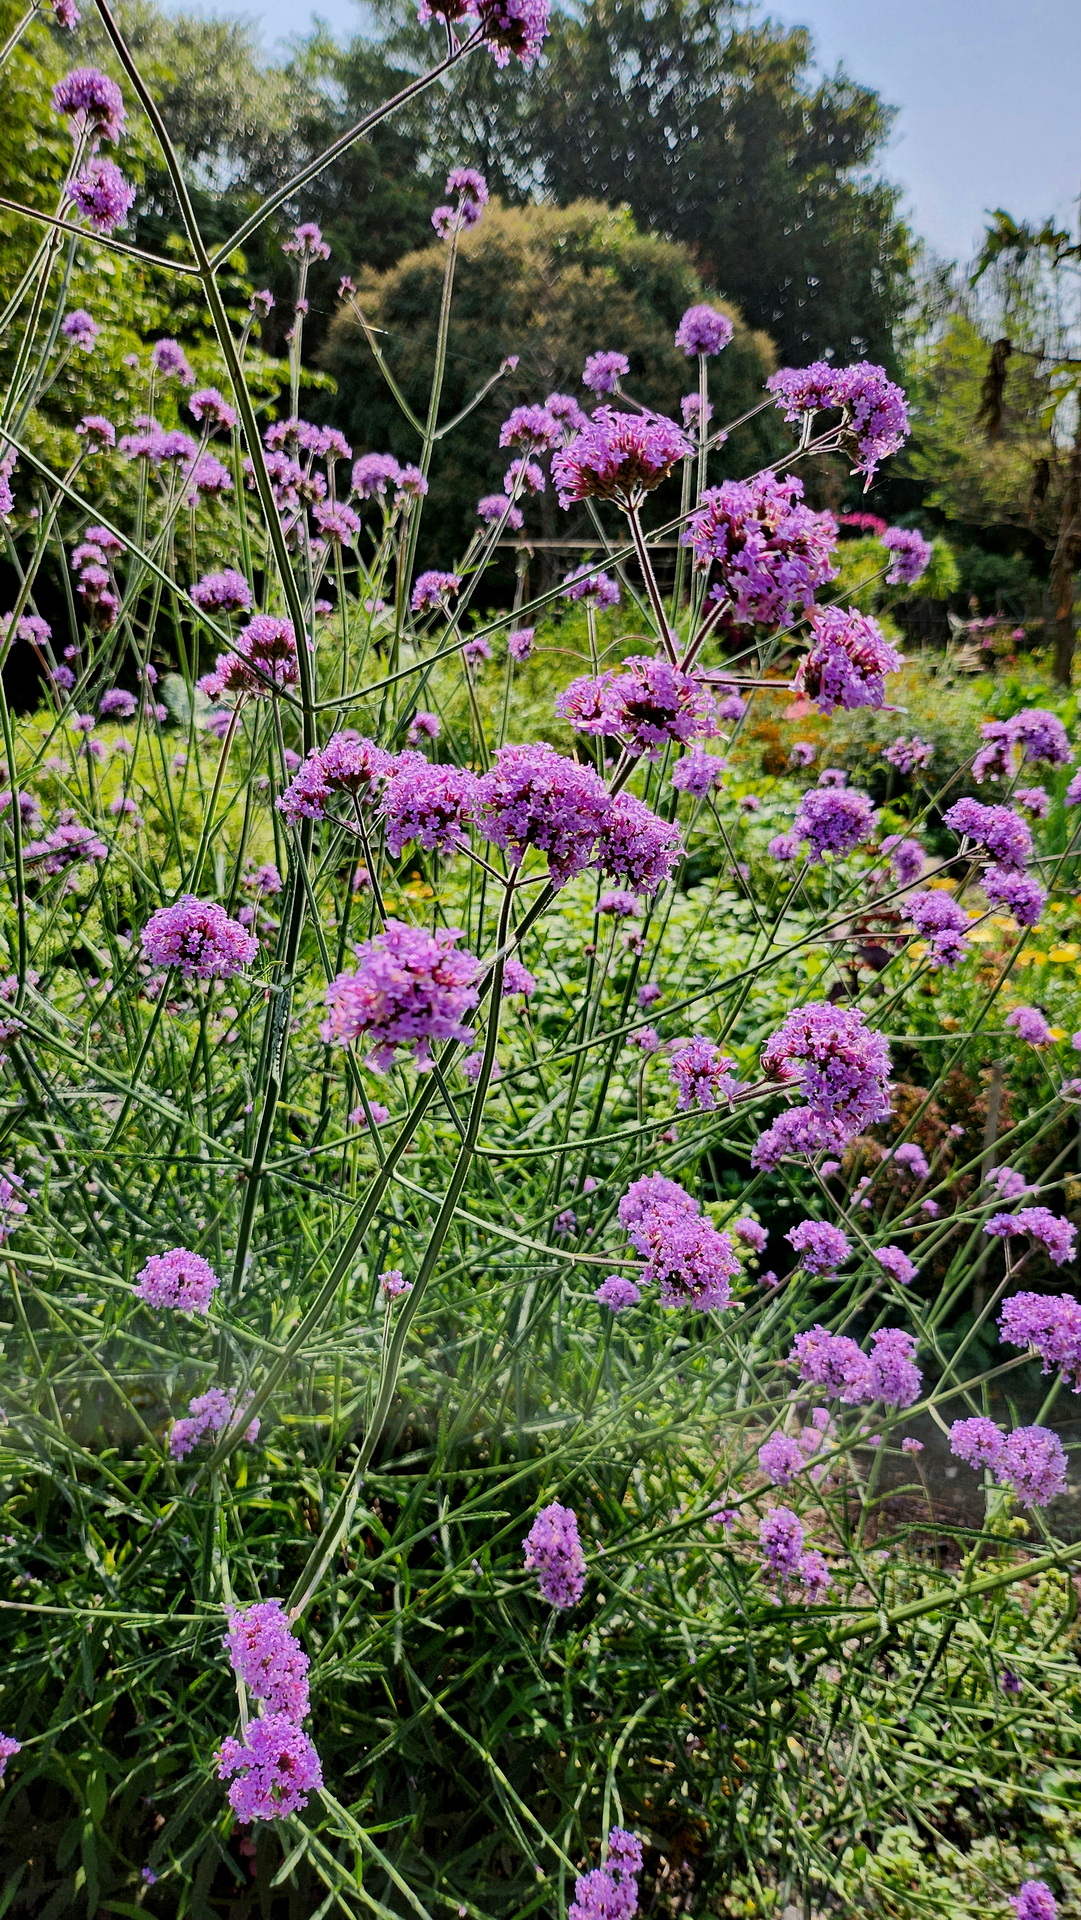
column 714, row 130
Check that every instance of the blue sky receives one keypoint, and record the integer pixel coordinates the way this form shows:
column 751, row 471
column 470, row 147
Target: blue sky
column 989, row 93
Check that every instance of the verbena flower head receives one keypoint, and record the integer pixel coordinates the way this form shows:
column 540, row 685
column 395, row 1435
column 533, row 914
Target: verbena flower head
column 1051, row 1325
column 771, row 552
column 517, row 979
column 265, row 660
column 752, row 1233
column 199, row 938
column 702, row 1075
column 651, row 705
column 8, row 1749
column 409, row 989
column 598, row 587
column 978, row 1441
column 703, row 330
column 93, row 103
column 780, row 1537
column 98, row 432
column 11, row 1207
column 875, row 417
column 80, row 328
column 1034, row 800
column 911, row 556
column 533, row 429
column 1035, row 1900
column 781, row 1458
column 117, row 702
column 1033, row 1464
column 433, row 589
column 269, row 1659
column 181, row 1281
column 431, row 805
column 168, row 358
column 821, row 1248
column 275, row 1771
column 1055, row 1234
column 346, row 764
column 307, row 242
column 518, row 27
column 833, row 1361
column 224, row 592
column 1041, row 736
column 1003, row 835
column 210, row 407
column 424, row 726
column 895, row 1262
column 625, row 906
column 619, row 456
column 938, row 919
column 840, row 1065
column 520, row 643
column 697, row 772
column 553, row 1552
column 636, row 846
column 1019, row 893
column 1030, row 1025
column 907, row 755
column 834, row 820
column 208, row 1413
column 905, row 857
column 603, row 372
column 693, row 1263
column 497, row 506
column 891, row 1375
column 618, row 1293
column 1008, row 1183
column 373, row 474
column 102, row 195
column 848, row 660
column 534, row 797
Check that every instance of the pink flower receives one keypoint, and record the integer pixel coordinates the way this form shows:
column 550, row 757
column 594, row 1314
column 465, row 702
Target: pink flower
column 181, row 1281
column 198, row 937
column 410, row 988
column 277, row 1769
column 554, row 1553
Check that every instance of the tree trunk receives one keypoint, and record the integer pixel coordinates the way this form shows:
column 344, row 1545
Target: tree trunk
column 1064, row 564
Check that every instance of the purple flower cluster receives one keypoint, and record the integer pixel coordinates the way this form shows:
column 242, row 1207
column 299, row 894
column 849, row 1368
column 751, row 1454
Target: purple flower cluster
column 693, row 1263
column 429, row 804
column 780, row 1537
column 433, row 589
column 651, row 705
column 102, row 194
column 1034, row 734
column 618, row 456
column 208, row 1413
column 279, row 1766
column 181, row 1281
column 617, row 1293
column 1051, row 1325
column 1035, row 1900
column 701, row 1074
column 772, row 552
column 698, row 772
column 1002, row 834
column 895, row 1262
column 93, row 103
column 347, row 764
column 603, row 371
column 703, row 330
column 610, row 1892
column 1051, row 1230
column 409, row 989
column 80, row 328
column 873, row 410
column 62, row 849
column 821, row 1248
column 8, row 1748
column 199, row 938
column 905, row 857
column 224, row 592
column 833, row 1361
column 847, row 661
column 1018, row 892
column 907, row 755
column 1030, row 1460
column 265, row 660
column 600, row 588
column 833, row 820
column 938, row 919
column 841, row 1068
column 553, row 1552
column 911, row 556
column 1031, row 1026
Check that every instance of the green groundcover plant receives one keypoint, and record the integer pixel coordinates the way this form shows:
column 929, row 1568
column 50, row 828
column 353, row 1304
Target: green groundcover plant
column 510, row 1216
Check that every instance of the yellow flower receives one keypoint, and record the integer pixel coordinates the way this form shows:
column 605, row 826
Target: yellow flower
column 1067, row 950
